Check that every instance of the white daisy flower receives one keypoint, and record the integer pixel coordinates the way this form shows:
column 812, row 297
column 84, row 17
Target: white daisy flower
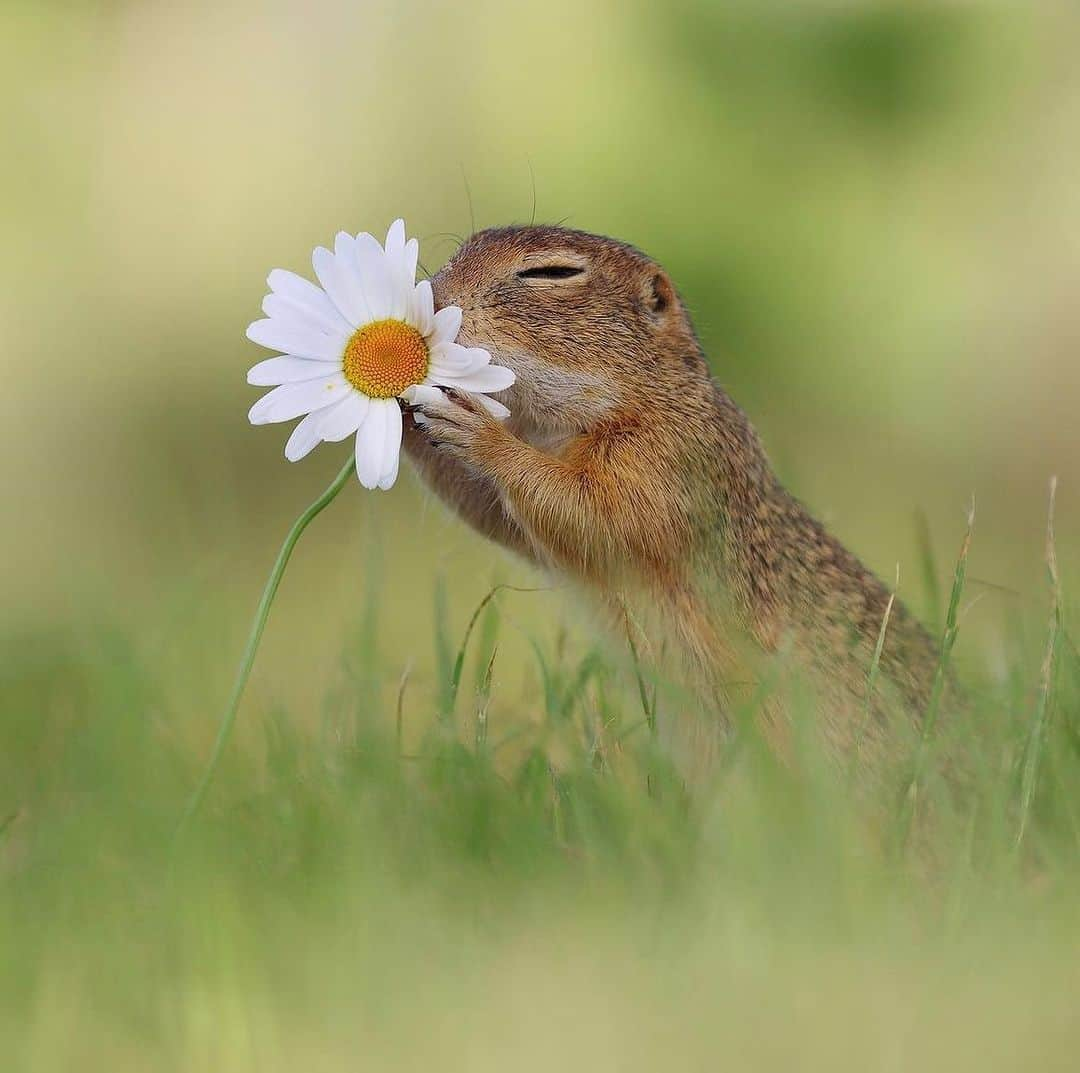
column 351, row 348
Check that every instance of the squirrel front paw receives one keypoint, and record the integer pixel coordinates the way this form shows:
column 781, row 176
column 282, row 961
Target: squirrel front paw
column 457, row 424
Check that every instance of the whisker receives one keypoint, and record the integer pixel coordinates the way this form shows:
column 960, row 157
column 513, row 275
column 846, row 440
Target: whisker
column 468, row 195
column 532, row 177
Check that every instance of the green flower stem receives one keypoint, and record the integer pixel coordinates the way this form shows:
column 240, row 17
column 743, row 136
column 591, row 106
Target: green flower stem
column 257, row 626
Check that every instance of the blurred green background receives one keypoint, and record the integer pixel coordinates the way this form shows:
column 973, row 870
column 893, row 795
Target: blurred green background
column 873, row 211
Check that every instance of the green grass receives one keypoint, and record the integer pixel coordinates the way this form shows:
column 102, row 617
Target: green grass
column 437, row 871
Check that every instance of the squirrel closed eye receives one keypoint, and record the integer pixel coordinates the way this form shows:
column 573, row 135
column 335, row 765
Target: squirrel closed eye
column 555, row 271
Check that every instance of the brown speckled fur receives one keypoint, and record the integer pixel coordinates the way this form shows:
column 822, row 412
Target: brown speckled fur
column 626, row 466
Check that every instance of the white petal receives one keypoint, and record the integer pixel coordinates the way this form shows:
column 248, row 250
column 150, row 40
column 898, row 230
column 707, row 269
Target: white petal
column 391, row 445
column 405, row 279
column 286, row 371
column 400, row 260
column 419, row 394
column 296, row 341
column 297, row 289
column 447, row 325
column 291, row 400
column 370, row 438
column 488, row 378
column 339, row 278
column 304, row 439
column 422, row 314
column 452, row 359
column 409, row 258
column 400, row 296
column 395, row 237
column 343, row 418
column 303, row 294
column 493, row 406
column 286, row 311
column 375, row 275
column 345, row 252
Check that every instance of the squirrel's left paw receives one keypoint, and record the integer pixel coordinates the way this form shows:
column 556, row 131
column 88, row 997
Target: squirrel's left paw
column 458, row 424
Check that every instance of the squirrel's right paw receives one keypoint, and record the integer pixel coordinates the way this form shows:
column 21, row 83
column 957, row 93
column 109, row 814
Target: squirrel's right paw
column 459, row 425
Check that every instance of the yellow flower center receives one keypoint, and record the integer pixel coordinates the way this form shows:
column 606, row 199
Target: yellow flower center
column 385, row 357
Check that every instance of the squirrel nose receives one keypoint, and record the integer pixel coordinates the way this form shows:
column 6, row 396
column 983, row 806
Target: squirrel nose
column 446, row 294
column 440, row 290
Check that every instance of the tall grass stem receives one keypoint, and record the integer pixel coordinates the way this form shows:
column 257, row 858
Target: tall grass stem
column 872, row 677
column 909, row 804
column 459, row 659
column 1037, row 733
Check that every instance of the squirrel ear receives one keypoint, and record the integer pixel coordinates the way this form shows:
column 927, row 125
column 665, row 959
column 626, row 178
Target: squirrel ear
column 660, row 295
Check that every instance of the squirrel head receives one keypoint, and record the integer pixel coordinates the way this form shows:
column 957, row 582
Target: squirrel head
column 588, row 324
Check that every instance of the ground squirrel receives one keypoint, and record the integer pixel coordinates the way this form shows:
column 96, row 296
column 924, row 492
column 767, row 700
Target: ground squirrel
column 627, row 467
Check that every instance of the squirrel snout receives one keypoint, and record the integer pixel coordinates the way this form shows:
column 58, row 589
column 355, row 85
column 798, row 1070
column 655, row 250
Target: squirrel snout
column 445, row 293
column 442, row 291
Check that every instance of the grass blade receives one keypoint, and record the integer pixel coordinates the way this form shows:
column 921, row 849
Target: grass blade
column 648, row 704
column 909, row 803
column 872, row 677
column 399, row 708
column 1037, row 732
column 459, row 661
column 483, row 700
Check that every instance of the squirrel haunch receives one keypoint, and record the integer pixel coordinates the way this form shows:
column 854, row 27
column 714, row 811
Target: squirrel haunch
column 626, row 466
